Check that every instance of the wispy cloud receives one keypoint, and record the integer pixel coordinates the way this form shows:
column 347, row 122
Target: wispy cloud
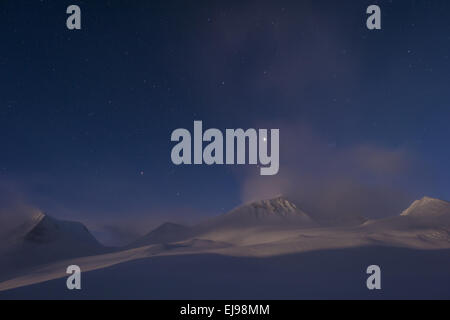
column 331, row 180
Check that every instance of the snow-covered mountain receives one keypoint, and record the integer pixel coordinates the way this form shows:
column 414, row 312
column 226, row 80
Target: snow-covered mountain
column 428, row 213
column 425, row 213
column 51, row 231
column 277, row 211
column 428, row 207
column 16, row 226
column 274, row 213
column 43, row 239
column 167, row 232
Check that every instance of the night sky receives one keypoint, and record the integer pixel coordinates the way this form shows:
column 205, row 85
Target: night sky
column 86, row 115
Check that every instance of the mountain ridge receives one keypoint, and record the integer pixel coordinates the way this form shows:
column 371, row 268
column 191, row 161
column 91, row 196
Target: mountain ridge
column 273, row 210
column 432, row 205
column 47, row 240
column 246, row 231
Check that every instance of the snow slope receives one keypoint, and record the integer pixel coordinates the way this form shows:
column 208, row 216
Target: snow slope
column 265, row 229
column 428, row 208
column 44, row 239
column 258, row 217
column 426, row 213
column 277, row 211
column 167, row 232
column 324, row 274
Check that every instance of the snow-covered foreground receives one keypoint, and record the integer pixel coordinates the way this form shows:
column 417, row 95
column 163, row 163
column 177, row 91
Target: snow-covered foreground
column 323, row 274
column 258, row 243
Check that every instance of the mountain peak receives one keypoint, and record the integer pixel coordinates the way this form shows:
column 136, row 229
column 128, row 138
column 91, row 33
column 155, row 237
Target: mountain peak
column 427, row 206
column 278, row 205
column 169, row 227
column 430, row 199
column 51, row 230
column 274, row 210
column 166, row 232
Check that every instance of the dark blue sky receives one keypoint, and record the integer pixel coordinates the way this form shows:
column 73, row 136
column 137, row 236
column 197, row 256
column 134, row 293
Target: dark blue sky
column 86, row 116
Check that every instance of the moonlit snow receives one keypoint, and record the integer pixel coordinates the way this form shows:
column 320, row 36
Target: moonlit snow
column 265, row 249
